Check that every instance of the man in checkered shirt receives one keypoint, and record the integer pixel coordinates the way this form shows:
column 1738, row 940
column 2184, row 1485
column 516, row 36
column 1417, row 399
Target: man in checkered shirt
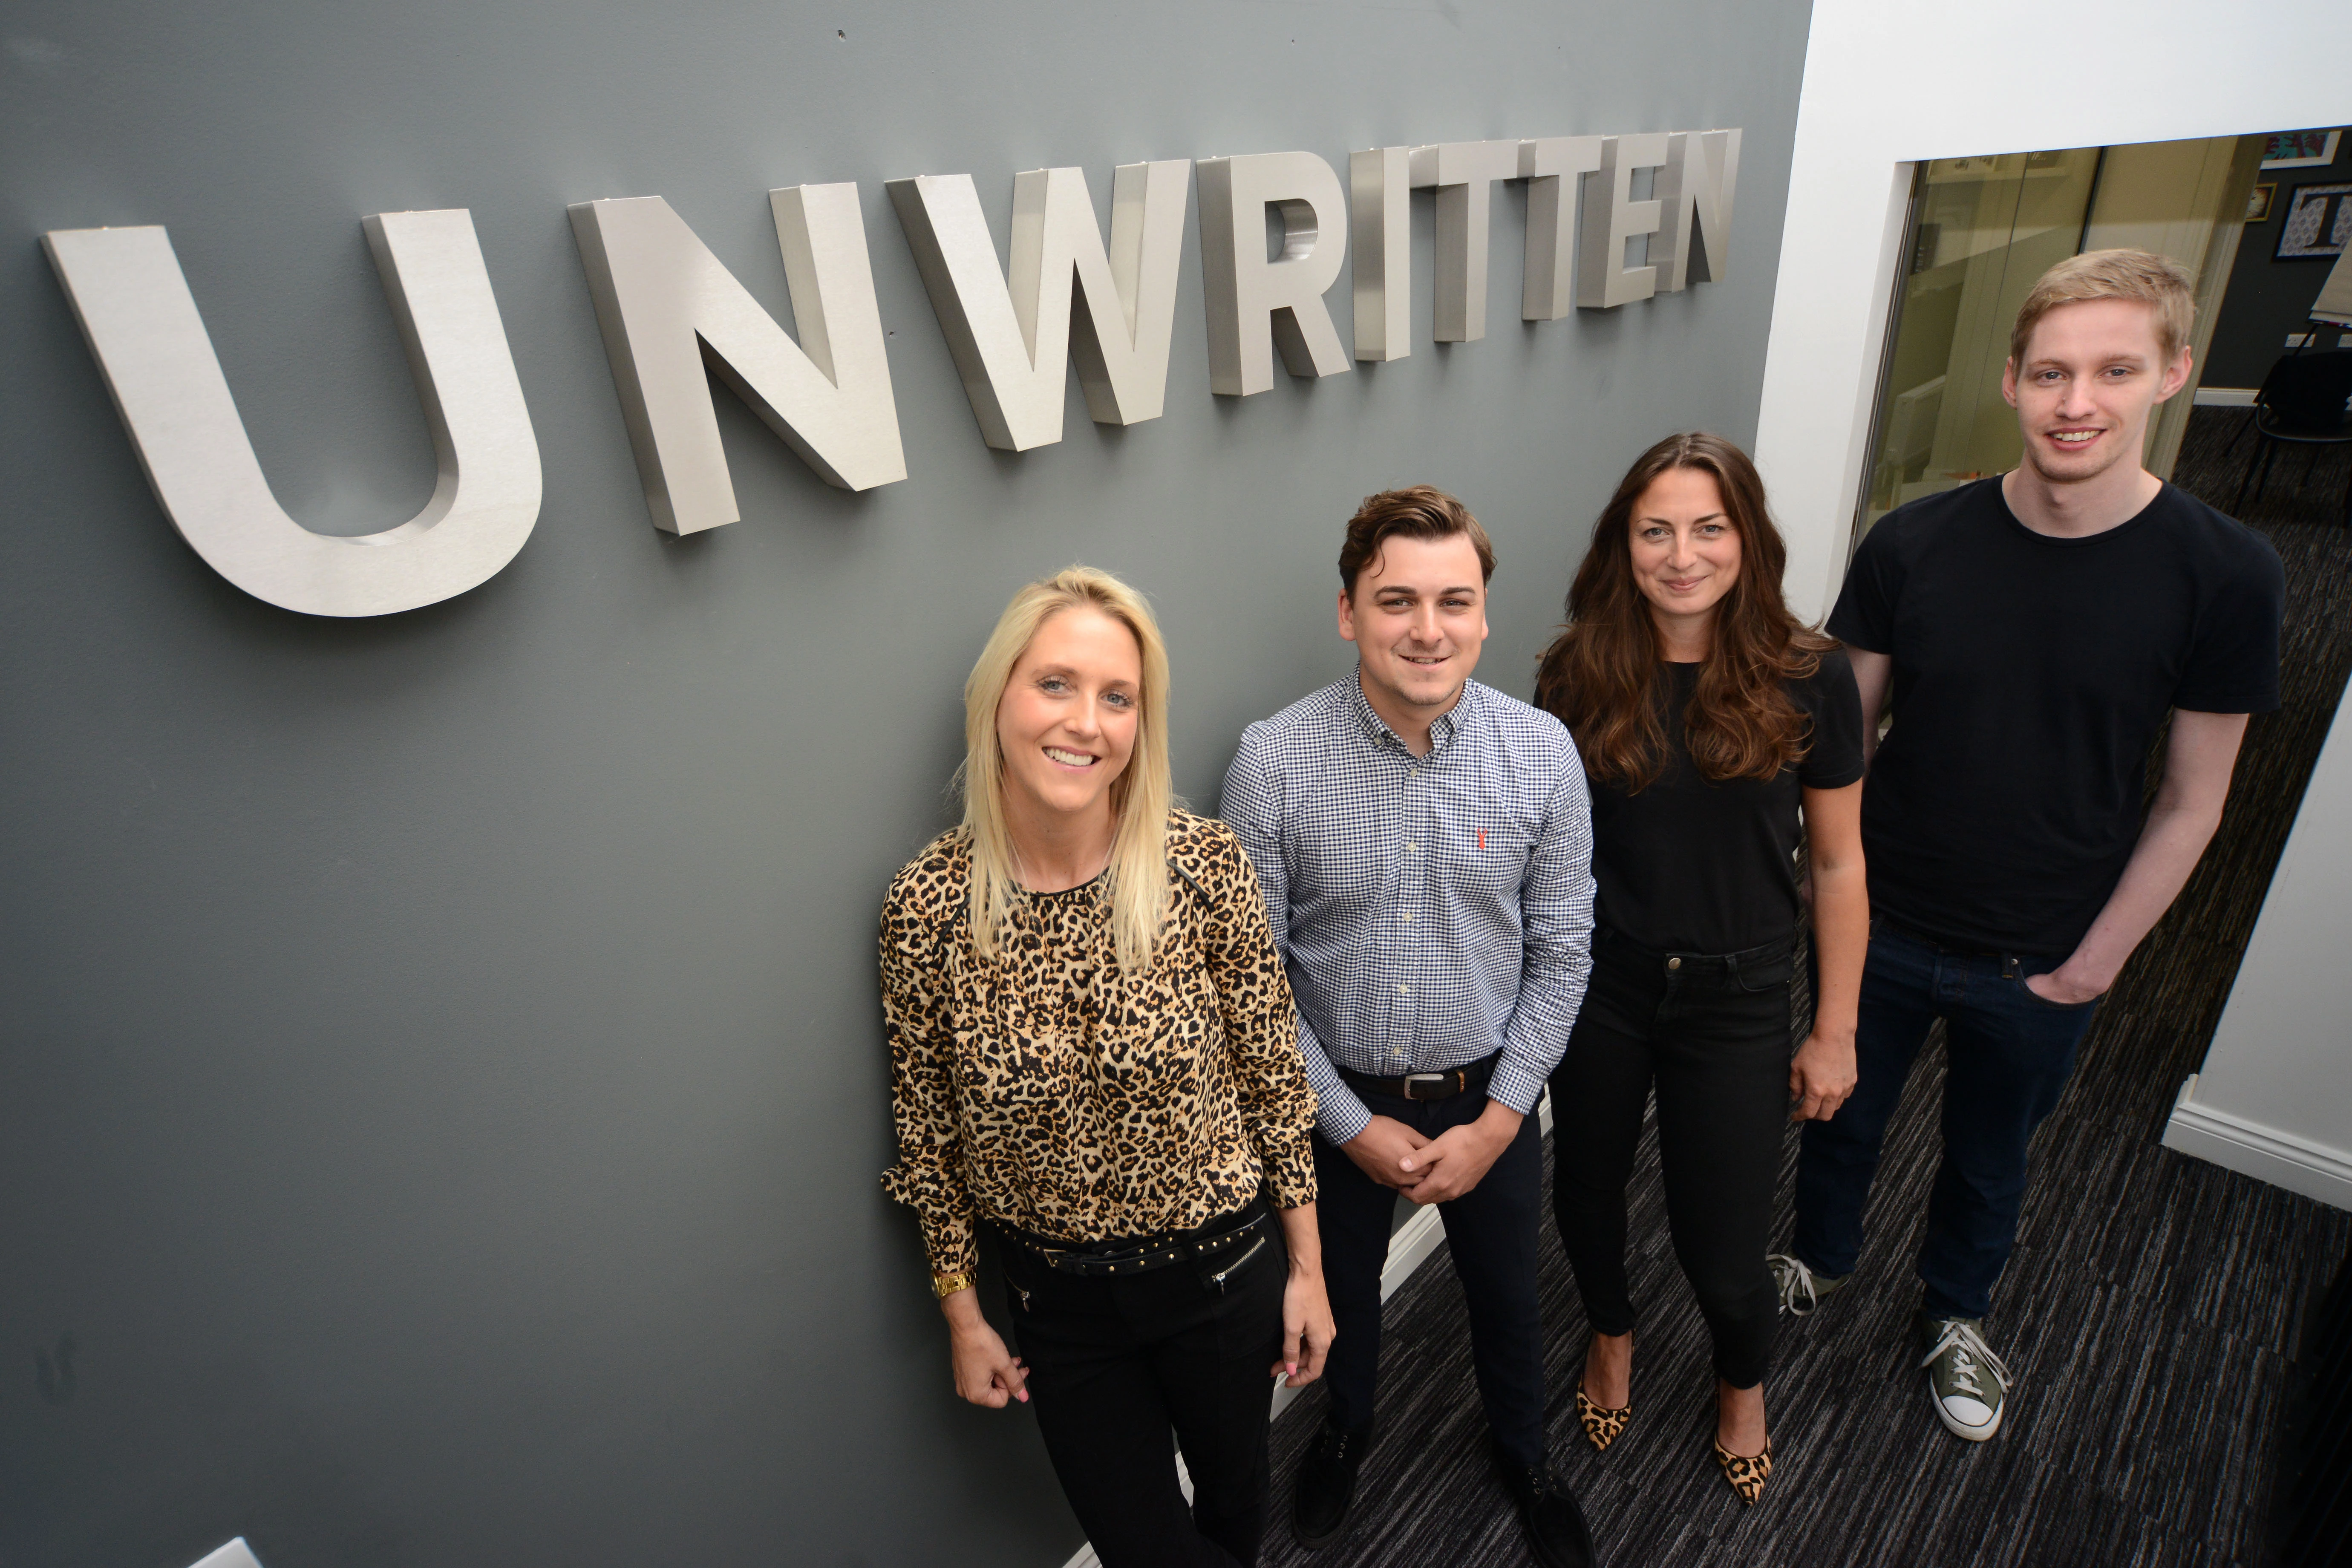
column 1425, row 847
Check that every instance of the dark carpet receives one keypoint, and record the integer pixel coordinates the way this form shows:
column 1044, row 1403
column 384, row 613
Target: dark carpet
column 2151, row 1311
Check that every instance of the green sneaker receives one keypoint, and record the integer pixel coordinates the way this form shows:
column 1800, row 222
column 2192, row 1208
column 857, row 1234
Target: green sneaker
column 1964, row 1377
column 1795, row 1280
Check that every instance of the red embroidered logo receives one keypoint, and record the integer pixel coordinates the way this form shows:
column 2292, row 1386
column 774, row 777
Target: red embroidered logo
column 1482, row 841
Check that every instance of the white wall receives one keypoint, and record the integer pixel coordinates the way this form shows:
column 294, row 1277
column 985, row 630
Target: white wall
column 1891, row 82
column 2274, row 1097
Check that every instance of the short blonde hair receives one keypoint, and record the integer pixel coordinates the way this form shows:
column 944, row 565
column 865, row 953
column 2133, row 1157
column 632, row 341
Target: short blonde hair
column 1140, row 797
column 2154, row 281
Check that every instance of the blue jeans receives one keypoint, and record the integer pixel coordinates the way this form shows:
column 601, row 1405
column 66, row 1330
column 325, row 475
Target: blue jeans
column 2008, row 1053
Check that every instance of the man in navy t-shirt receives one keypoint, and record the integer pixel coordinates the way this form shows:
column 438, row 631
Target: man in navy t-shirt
column 2034, row 631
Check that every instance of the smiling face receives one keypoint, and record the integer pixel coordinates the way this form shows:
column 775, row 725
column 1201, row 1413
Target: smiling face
column 2092, row 372
column 1066, row 724
column 1686, row 550
column 1417, row 615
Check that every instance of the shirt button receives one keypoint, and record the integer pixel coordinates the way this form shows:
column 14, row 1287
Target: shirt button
column 1404, row 989
column 1408, row 915
column 1674, row 963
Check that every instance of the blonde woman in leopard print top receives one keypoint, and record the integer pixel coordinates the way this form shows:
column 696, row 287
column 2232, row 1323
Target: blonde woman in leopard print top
column 1093, row 1047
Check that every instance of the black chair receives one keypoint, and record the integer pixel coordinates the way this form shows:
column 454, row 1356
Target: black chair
column 2301, row 404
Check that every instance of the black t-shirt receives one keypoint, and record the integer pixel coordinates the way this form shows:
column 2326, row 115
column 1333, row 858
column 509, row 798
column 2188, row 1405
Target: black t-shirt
column 1688, row 865
column 2030, row 676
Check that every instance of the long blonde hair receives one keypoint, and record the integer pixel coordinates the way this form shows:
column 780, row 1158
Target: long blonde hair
column 1140, row 797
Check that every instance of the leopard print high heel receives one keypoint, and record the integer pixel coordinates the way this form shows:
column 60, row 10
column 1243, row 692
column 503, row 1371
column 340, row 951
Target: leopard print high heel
column 1746, row 1473
column 1601, row 1424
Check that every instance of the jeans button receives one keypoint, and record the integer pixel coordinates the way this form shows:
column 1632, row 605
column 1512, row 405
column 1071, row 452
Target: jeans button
column 1674, row 963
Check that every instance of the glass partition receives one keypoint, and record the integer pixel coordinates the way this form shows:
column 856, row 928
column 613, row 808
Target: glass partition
column 1984, row 229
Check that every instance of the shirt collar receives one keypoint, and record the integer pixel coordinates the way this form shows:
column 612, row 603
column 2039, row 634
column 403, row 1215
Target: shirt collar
column 1442, row 730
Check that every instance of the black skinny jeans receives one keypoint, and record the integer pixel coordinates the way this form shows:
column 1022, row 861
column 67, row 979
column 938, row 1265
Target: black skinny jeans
column 1713, row 1034
column 1116, row 1364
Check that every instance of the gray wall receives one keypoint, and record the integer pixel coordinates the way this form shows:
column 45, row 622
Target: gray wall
column 2267, row 298
column 441, row 1094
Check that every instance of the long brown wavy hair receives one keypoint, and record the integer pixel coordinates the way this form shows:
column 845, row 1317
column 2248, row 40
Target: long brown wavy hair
column 1604, row 676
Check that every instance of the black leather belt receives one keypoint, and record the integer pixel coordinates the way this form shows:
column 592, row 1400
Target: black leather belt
column 1471, row 1079
column 1139, row 1255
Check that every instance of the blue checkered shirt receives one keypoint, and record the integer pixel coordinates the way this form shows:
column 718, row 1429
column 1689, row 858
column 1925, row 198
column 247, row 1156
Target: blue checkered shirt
column 1430, row 911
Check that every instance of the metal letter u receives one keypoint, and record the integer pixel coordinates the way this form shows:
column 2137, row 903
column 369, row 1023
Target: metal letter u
column 135, row 309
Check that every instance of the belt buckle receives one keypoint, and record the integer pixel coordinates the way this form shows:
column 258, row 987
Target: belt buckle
column 1432, row 1079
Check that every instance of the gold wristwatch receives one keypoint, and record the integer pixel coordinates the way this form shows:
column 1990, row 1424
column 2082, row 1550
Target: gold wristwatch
column 946, row 1285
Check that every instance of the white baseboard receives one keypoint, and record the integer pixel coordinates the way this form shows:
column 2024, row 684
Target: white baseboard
column 1409, row 1249
column 2225, row 397
column 2251, row 1149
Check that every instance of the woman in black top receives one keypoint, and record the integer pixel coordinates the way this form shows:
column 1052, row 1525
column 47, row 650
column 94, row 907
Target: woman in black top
column 1710, row 720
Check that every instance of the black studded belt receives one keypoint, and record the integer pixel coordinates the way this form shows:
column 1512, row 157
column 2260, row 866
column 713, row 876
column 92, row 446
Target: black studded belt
column 1139, row 1255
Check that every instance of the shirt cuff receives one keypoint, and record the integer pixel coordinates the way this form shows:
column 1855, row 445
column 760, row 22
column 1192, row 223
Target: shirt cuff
column 1341, row 1115
column 951, row 1244
column 1291, row 1183
column 950, row 1223
column 1514, row 1086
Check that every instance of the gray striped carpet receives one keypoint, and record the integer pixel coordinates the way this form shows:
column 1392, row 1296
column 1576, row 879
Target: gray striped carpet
column 2150, row 1311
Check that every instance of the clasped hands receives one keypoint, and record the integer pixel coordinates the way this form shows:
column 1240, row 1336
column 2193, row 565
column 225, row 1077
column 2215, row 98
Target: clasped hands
column 1433, row 1170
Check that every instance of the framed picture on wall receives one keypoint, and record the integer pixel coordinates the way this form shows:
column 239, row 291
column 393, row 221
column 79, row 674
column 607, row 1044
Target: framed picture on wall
column 2318, row 223
column 2300, row 150
column 2257, row 201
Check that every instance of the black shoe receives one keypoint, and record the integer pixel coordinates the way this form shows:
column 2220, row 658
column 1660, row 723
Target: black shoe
column 1555, row 1526
column 1326, row 1484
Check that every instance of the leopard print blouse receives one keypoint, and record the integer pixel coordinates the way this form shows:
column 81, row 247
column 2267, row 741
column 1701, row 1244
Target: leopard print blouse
column 1045, row 1090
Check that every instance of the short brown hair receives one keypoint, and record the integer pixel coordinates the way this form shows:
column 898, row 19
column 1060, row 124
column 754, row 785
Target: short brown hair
column 2154, row 281
column 1416, row 512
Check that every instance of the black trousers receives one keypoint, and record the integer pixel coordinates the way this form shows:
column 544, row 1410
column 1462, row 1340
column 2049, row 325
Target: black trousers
column 1116, row 1364
column 1712, row 1034
column 1490, row 1232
